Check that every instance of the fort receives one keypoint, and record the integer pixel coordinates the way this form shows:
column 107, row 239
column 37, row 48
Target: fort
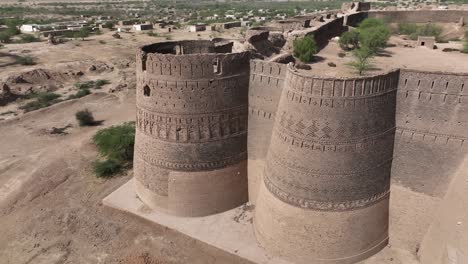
column 316, row 155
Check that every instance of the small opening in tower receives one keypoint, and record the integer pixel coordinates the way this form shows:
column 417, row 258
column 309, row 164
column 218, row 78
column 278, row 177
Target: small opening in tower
column 146, row 90
column 216, row 66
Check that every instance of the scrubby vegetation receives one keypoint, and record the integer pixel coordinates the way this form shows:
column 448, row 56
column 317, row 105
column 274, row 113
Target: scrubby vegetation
column 305, row 48
column 414, row 30
column 42, row 100
column 91, row 84
column 361, row 62
column 116, row 146
column 27, row 38
column 85, row 118
column 26, row 60
column 108, row 25
column 106, row 168
column 79, row 94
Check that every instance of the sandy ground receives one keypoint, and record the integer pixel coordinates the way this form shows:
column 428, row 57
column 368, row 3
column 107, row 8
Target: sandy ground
column 419, row 58
column 50, row 202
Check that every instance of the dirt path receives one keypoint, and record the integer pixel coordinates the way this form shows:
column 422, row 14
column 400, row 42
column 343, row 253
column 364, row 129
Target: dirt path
column 51, row 210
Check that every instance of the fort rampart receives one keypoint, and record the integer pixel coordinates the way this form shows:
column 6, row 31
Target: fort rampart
column 191, row 137
column 327, row 172
column 322, row 151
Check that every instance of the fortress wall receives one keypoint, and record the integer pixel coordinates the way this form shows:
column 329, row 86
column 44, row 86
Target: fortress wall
column 431, row 119
column 328, row 31
column 191, row 129
column 266, row 84
column 420, row 16
column 321, row 34
column 431, row 142
column 324, row 195
column 353, row 20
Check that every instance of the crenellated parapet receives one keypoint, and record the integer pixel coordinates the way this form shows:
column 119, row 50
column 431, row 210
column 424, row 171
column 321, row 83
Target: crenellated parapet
column 330, row 159
column 191, row 135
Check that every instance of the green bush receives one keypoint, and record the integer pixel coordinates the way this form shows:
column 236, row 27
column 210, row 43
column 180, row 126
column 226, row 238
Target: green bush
column 26, row 60
column 82, row 92
column 116, row 142
column 82, row 34
column 414, row 30
column 5, row 37
column 305, row 48
column 371, row 33
column 349, row 40
column 108, row 25
column 79, row 94
column 99, row 83
column 106, row 168
column 153, row 34
column 85, row 118
column 46, row 97
column 27, row 38
column 91, row 84
column 84, row 85
column 465, row 47
column 42, row 100
column 407, row 28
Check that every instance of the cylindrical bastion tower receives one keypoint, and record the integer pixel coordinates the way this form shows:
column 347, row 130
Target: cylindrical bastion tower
column 325, row 191
column 191, row 129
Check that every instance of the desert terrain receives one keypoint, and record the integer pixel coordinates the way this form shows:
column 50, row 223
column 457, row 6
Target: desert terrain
column 50, row 201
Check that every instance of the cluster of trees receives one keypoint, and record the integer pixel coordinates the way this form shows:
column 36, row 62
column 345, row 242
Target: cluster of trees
column 365, row 41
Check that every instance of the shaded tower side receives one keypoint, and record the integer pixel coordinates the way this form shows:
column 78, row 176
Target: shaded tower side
column 325, row 192
column 266, row 85
column 191, row 135
column 430, row 144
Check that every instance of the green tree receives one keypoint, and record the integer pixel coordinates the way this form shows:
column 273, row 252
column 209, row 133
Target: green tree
column 82, row 34
column 305, row 48
column 373, row 34
column 349, row 40
column 361, row 62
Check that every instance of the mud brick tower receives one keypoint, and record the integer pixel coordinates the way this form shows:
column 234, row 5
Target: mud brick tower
column 324, row 197
column 191, row 136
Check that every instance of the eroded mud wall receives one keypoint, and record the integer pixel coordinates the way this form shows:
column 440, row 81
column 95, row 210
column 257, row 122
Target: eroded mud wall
column 266, row 85
column 191, row 136
column 324, row 197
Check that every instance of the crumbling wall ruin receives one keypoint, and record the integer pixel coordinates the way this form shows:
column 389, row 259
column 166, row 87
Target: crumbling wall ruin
column 191, row 136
